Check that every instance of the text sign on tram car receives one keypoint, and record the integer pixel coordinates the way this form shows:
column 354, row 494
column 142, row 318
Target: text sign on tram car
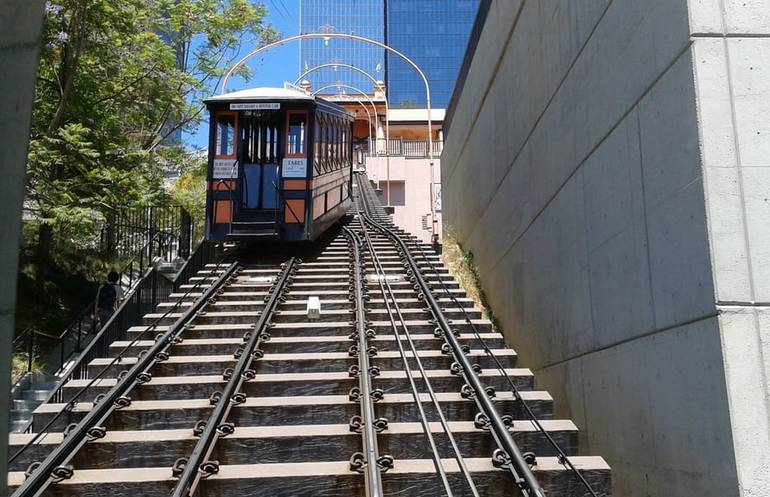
column 224, row 169
column 294, row 168
column 255, row 106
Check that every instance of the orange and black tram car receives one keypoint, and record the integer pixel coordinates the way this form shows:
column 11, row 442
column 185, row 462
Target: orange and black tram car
column 279, row 165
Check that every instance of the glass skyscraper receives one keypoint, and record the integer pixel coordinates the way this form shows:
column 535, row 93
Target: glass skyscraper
column 433, row 33
column 360, row 17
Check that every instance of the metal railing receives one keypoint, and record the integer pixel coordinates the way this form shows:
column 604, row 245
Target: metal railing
column 54, row 351
column 203, row 254
column 398, row 147
column 126, row 231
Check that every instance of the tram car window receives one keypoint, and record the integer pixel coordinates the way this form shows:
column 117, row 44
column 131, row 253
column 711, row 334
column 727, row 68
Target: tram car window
column 279, row 165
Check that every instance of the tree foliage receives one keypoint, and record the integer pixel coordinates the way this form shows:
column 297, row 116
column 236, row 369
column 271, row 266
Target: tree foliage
column 118, row 80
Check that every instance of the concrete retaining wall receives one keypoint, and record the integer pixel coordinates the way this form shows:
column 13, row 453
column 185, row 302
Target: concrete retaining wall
column 20, row 26
column 611, row 180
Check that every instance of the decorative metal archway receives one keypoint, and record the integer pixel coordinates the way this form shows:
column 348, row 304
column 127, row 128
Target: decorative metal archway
column 328, row 36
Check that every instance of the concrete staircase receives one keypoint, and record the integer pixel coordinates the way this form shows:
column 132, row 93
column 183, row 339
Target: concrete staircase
column 292, row 435
column 27, row 394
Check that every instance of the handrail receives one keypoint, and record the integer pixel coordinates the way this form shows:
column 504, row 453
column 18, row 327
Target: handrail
column 92, row 425
column 195, row 262
column 86, row 354
column 82, row 317
column 198, row 465
column 510, row 455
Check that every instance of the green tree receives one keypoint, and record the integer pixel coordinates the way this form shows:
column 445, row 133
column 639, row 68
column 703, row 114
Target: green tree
column 116, row 79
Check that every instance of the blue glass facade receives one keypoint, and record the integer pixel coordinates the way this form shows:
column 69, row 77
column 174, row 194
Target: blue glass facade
column 361, row 17
column 433, row 33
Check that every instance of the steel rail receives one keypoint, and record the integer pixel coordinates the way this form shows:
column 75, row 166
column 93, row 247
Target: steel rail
column 371, row 457
column 514, row 458
column 431, row 393
column 216, row 427
column 408, row 370
column 562, row 456
column 118, row 357
column 415, row 394
column 91, row 426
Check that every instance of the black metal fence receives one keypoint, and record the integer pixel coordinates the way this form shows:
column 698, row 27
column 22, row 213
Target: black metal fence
column 146, row 236
column 150, row 290
column 125, row 232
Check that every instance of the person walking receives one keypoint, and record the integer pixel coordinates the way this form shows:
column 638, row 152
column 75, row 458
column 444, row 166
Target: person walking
column 108, row 298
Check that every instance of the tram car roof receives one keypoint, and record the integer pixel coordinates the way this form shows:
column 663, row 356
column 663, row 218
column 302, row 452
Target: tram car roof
column 269, row 94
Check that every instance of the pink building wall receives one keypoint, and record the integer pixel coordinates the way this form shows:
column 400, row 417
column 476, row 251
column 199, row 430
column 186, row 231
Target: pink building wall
column 414, row 203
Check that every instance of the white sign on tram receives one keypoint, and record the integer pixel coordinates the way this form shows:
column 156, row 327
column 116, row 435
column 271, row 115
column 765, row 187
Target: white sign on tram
column 224, row 169
column 255, row 106
column 294, row 168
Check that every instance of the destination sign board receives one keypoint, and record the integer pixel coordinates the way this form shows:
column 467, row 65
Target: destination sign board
column 255, row 106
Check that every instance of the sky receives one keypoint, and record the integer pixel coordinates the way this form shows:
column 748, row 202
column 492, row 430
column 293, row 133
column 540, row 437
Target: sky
column 269, row 68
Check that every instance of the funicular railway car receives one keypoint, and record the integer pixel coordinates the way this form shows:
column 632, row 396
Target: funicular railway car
column 279, row 165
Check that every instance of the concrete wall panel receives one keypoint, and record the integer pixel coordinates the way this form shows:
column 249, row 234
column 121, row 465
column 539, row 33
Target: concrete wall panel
column 610, row 176
column 746, row 350
column 680, row 262
column 742, row 16
column 749, row 60
column 619, row 270
column 664, row 451
column 723, row 184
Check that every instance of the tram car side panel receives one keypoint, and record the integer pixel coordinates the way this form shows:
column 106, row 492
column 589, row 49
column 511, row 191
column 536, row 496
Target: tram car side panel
column 332, row 153
column 279, row 165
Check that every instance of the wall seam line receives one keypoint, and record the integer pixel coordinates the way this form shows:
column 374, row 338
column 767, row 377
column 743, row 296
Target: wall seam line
column 705, row 317
column 646, row 221
column 738, row 161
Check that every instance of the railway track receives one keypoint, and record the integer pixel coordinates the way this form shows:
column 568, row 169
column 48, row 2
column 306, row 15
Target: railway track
column 398, row 387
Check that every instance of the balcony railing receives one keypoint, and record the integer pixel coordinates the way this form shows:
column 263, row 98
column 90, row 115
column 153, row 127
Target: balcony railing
column 397, row 147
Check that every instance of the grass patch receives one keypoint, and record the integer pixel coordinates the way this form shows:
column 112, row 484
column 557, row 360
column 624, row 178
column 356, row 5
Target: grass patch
column 19, row 365
column 461, row 265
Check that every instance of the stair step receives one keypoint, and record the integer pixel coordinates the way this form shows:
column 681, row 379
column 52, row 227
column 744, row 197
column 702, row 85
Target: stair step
column 293, row 316
column 282, row 444
column 287, row 384
column 314, row 329
column 310, row 409
column 181, row 365
column 328, row 479
column 256, row 304
column 282, row 344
